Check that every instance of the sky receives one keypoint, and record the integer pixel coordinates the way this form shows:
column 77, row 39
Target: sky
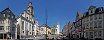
column 58, row 11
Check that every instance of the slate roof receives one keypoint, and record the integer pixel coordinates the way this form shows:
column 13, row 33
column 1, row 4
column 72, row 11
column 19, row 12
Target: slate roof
column 7, row 12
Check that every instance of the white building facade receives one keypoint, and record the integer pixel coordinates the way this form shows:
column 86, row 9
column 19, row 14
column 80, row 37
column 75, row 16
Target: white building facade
column 36, row 28
column 25, row 23
column 7, row 24
column 55, row 29
column 58, row 29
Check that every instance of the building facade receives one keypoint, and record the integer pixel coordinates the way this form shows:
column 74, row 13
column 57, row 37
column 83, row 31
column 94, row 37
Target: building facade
column 67, row 30
column 55, row 29
column 7, row 24
column 93, row 23
column 25, row 23
column 73, row 30
column 78, row 24
column 64, row 30
column 36, row 28
column 43, row 29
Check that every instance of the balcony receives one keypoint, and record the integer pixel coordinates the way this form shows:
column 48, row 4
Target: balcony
column 2, row 29
column 2, row 24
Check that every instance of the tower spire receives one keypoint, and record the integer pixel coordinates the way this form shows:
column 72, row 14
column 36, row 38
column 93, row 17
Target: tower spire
column 30, row 3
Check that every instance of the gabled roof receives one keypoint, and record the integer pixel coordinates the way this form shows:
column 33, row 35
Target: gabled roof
column 91, row 7
column 78, row 16
column 7, row 10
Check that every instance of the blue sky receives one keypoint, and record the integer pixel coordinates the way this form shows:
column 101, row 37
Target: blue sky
column 58, row 10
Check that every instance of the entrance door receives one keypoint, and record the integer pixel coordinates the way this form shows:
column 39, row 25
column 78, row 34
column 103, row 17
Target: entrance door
column 1, row 36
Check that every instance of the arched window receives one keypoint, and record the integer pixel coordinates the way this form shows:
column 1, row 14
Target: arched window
column 23, row 25
column 18, row 29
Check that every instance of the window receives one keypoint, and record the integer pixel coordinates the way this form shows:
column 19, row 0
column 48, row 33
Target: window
column 1, row 22
column 95, row 33
column 100, row 9
column 99, row 24
column 100, row 33
column 100, row 16
column 91, row 35
column 8, row 21
column 30, row 32
column 95, row 24
column 8, row 15
column 30, row 27
column 23, row 25
column 87, row 25
column 6, row 28
column 42, row 29
column 80, row 22
column 12, row 16
column 27, row 17
column 23, row 31
column 77, row 24
column 91, row 11
column 8, row 11
column 83, row 26
column 91, row 18
column 1, row 28
column 4, row 15
column 86, row 34
column 87, row 19
column 28, row 11
column 84, row 20
column 91, row 25
column 12, row 28
column 95, row 17
column 27, row 26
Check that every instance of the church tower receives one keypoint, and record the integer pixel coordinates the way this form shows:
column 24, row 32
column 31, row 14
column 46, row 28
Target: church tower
column 26, row 22
column 30, row 11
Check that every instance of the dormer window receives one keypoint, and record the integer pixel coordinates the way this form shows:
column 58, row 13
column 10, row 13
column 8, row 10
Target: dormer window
column 91, row 11
column 8, row 15
column 4, row 15
column 100, row 9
